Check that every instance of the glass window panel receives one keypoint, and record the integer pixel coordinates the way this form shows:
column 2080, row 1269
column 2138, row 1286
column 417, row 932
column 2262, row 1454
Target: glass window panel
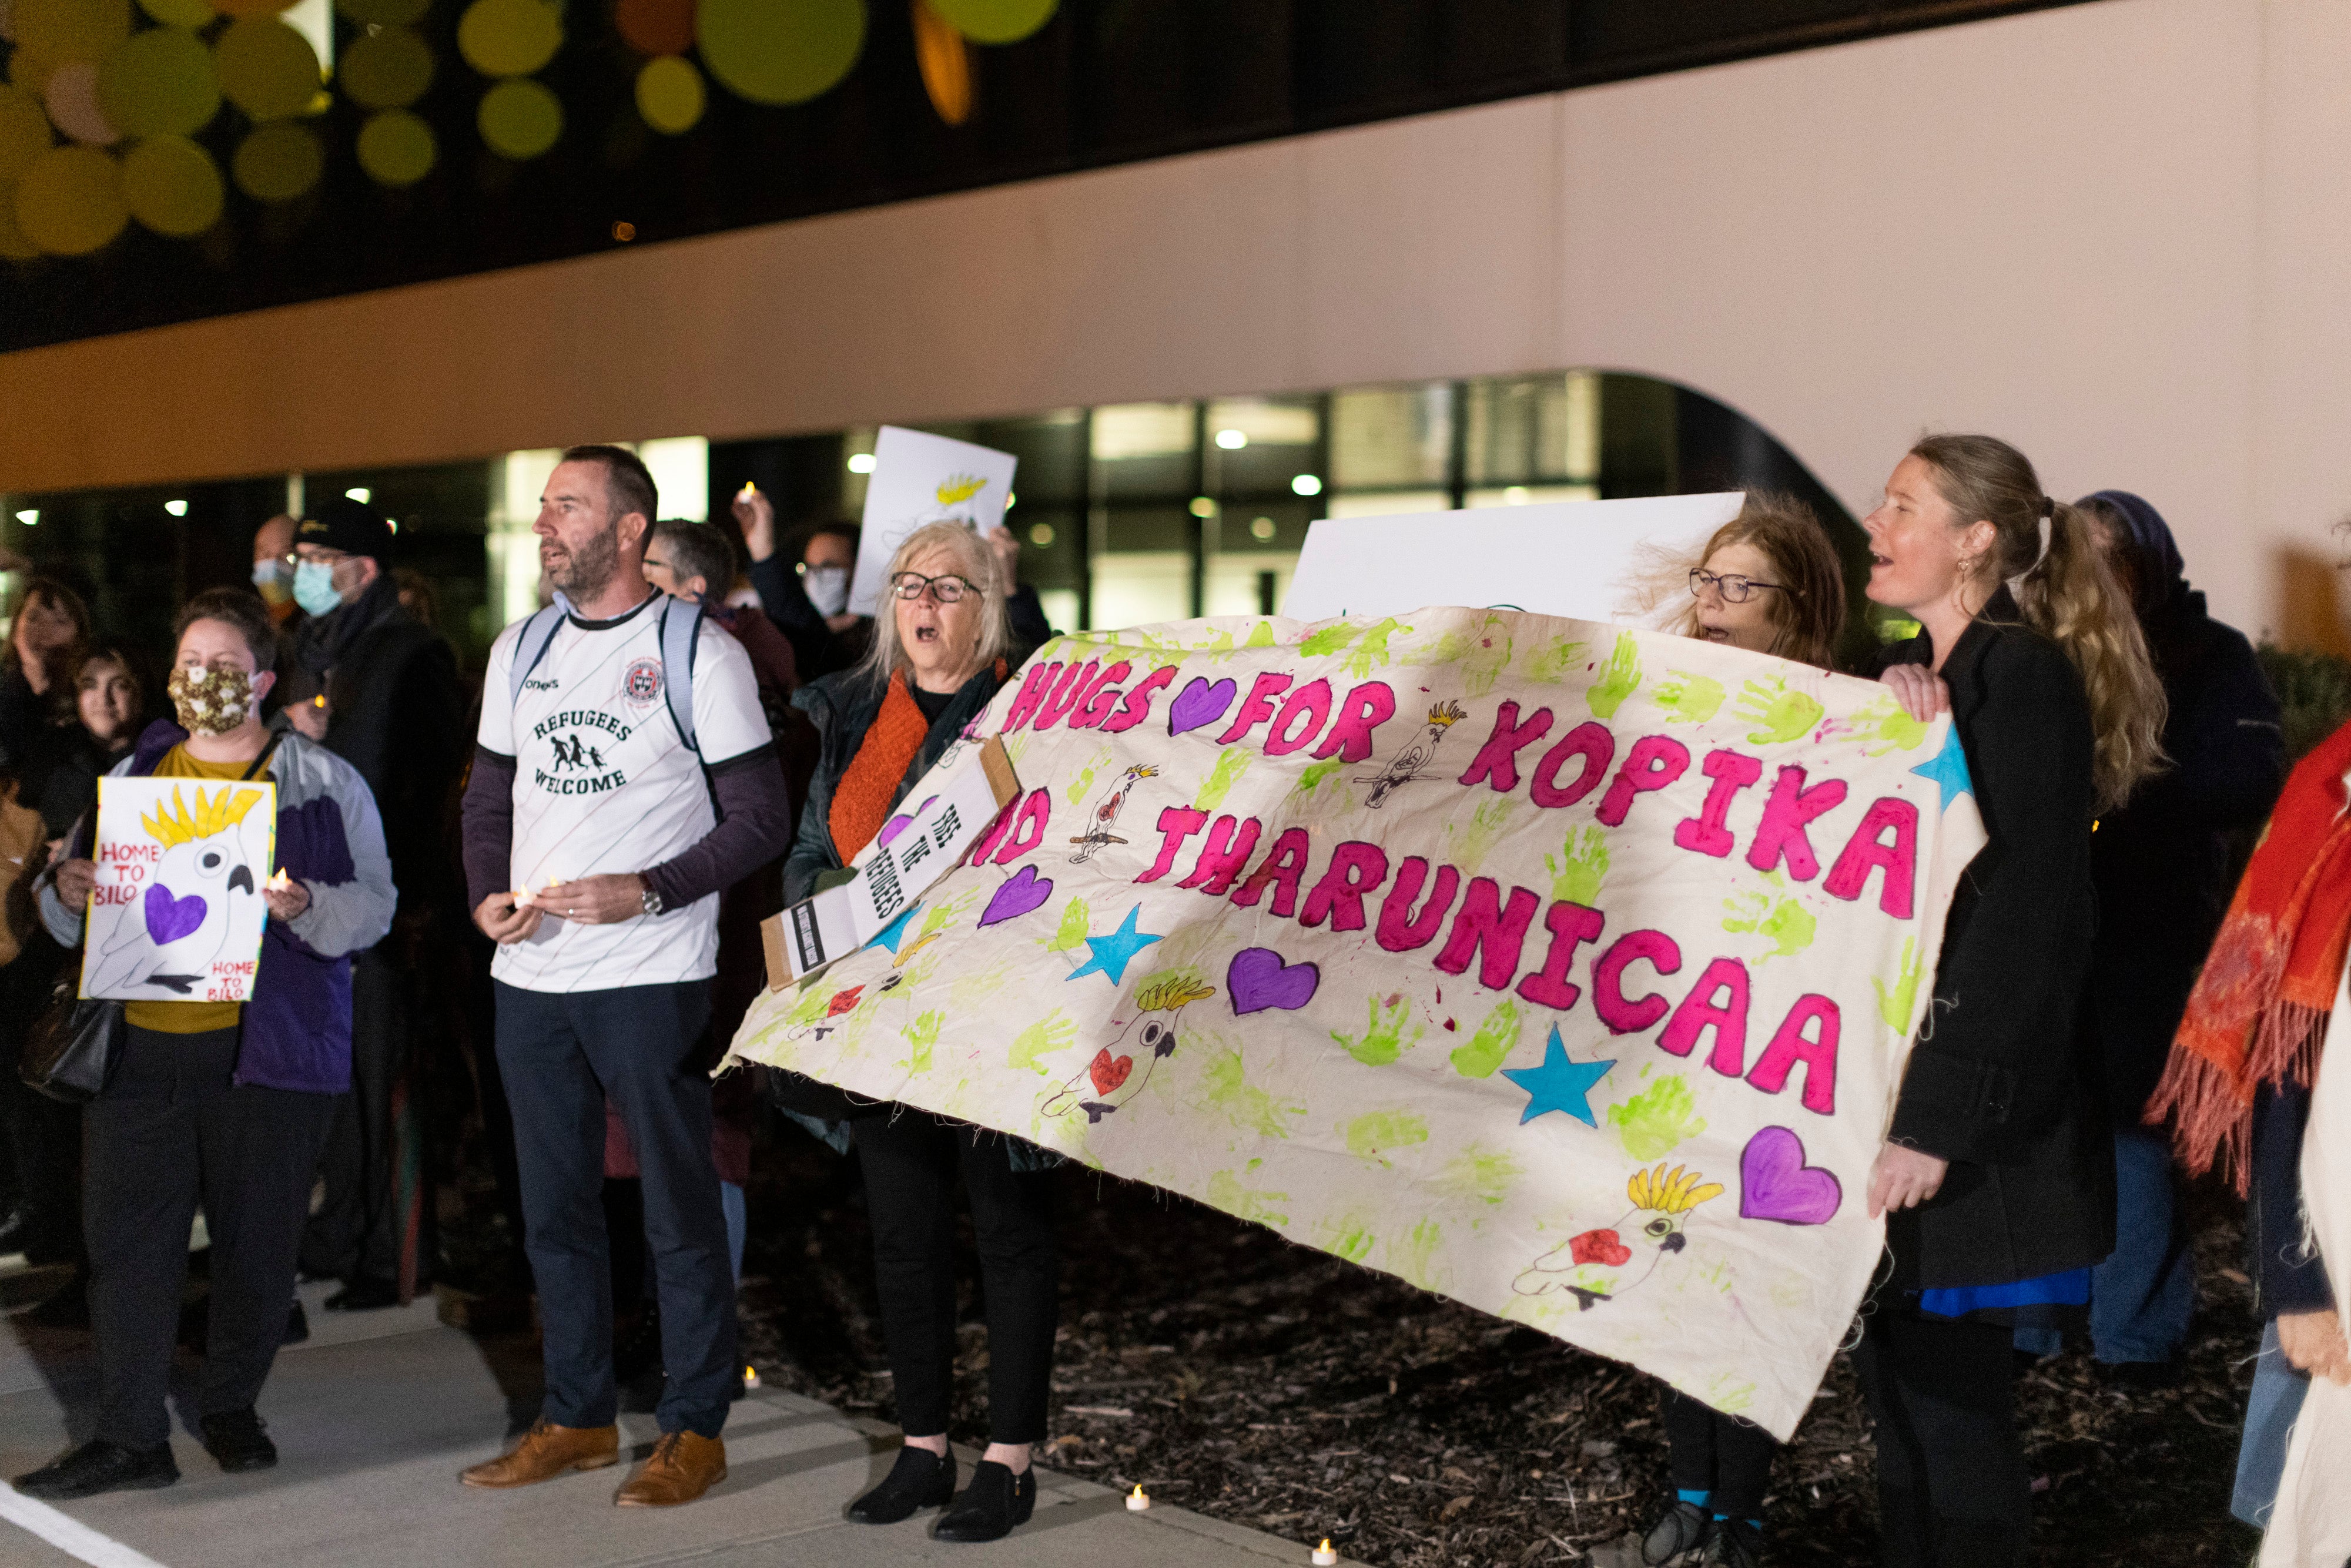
column 1530, row 495
column 681, row 469
column 1145, row 449
column 1527, row 429
column 1390, row 436
column 1138, row 587
column 1250, row 584
column 1391, row 503
column 1257, row 447
column 1051, row 448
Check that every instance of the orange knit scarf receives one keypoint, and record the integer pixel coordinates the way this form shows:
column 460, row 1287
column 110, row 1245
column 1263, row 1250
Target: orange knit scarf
column 862, row 800
column 2258, row 1012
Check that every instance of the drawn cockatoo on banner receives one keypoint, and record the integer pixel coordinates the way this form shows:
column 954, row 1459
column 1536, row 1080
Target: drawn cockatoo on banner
column 1110, row 1080
column 1595, row 1266
column 1406, row 765
column 1104, row 815
column 201, row 896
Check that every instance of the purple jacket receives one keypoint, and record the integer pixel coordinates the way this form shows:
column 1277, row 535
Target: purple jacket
column 297, row 1027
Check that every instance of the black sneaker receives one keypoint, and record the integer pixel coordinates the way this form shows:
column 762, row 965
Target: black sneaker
column 997, row 1503
column 1677, row 1538
column 1736, row 1545
column 919, row 1479
column 239, row 1439
column 99, row 1465
column 365, row 1294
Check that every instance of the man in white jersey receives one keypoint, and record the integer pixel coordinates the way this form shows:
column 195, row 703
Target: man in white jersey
column 598, row 833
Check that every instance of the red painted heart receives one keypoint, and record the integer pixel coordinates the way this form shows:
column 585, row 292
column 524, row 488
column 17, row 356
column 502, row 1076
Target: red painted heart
column 1599, row 1247
column 1108, row 1075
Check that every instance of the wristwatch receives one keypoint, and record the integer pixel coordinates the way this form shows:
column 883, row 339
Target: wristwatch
column 652, row 900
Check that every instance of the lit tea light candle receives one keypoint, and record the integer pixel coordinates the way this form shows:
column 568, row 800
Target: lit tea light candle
column 750, row 1377
column 1138, row 1499
column 1323, row 1556
column 747, row 491
column 278, row 882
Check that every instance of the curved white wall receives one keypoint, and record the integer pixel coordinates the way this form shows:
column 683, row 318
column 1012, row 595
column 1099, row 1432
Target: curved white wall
column 2116, row 234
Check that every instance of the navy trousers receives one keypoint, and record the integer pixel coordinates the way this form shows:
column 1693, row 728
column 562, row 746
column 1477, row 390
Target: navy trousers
column 561, row 1056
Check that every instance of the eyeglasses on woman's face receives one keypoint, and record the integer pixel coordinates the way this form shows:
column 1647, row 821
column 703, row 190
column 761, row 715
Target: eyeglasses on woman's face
column 1732, row 587
column 946, row 588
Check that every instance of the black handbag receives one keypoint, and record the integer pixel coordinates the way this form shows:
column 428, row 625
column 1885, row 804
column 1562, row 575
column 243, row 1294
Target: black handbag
column 70, row 1050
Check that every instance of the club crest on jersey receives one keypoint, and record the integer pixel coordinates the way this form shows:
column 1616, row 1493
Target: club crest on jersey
column 641, row 684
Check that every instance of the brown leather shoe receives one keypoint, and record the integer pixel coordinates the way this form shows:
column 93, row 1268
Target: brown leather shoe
column 682, row 1467
column 547, row 1451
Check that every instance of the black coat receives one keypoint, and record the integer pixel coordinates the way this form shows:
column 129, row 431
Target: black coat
column 2002, row 1081
column 843, row 706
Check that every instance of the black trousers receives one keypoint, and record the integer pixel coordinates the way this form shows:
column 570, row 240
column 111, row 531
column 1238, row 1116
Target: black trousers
column 43, row 1134
column 170, row 1131
column 911, row 1160
column 362, row 1230
column 1952, row 1489
column 560, row 1055
column 1711, row 1452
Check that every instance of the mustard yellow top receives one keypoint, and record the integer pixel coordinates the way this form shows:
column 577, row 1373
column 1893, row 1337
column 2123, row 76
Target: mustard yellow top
column 187, row 1018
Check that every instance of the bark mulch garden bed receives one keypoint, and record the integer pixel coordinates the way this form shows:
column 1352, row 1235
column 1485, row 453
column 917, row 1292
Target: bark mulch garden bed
column 1235, row 1373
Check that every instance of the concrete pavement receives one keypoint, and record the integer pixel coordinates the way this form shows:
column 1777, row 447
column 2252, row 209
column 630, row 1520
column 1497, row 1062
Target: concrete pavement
column 377, row 1414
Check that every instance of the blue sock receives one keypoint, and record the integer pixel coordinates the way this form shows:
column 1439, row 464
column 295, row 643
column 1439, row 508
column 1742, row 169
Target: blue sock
column 1695, row 1499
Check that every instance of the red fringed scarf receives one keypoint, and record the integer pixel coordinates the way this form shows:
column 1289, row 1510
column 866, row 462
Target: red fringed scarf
column 2258, row 1012
column 861, row 801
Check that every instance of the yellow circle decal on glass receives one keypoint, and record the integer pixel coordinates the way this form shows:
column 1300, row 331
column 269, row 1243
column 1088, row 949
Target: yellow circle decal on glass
column 385, row 12
column 251, row 7
column 277, row 161
column 178, row 12
column 72, row 99
column 997, row 21
column 509, row 38
column 267, row 69
column 159, row 83
column 388, row 68
column 14, row 245
column 172, row 186
column 670, row 94
column 23, row 132
column 396, row 147
column 70, row 202
column 780, row 51
column 520, row 118
column 62, row 31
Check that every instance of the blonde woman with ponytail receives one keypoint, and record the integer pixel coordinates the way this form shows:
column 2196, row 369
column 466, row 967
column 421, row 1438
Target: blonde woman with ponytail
column 1997, row 1177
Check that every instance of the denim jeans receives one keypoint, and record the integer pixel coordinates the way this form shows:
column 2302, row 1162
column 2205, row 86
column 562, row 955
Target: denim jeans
column 2140, row 1298
column 2270, row 1415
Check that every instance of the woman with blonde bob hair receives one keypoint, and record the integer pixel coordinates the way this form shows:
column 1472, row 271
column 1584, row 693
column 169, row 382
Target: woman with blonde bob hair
column 1997, row 1176
column 941, row 649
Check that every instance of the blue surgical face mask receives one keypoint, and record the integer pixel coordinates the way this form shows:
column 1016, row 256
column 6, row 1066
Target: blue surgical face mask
column 314, row 588
column 828, row 588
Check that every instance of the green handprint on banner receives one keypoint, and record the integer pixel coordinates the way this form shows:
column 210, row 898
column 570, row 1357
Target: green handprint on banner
column 1468, row 845
column 1652, row 1123
column 1048, row 1035
column 1781, row 713
column 1254, row 1203
column 1487, row 1050
column 1550, row 662
column 1329, row 640
column 1788, row 924
column 1895, row 1001
column 1084, row 781
column 1075, row 927
column 1226, row 1088
column 1580, row 867
column 921, row 1035
column 1883, row 727
column 1231, row 764
column 1372, row 653
column 1619, row 680
column 1383, row 1040
column 1310, row 777
column 1685, row 699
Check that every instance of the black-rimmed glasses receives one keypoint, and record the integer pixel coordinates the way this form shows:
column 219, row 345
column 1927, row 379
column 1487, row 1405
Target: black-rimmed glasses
column 1733, row 587
column 946, row 589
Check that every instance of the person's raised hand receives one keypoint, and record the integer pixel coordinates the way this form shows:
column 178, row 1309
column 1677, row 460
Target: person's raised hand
column 594, row 900
column 756, row 515
column 1903, row 1178
column 2313, row 1342
column 1918, row 689
column 73, row 880
column 1006, row 544
column 287, row 901
column 504, row 921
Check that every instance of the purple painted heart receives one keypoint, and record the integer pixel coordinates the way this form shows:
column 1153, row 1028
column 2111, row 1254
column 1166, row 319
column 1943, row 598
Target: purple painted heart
column 1199, row 702
column 1257, row 979
column 169, row 919
column 1776, row 1184
column 1019, row 893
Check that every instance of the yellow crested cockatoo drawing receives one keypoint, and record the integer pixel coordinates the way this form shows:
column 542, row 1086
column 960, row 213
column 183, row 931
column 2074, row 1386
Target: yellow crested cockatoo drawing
column 953, row 491
column 1595, row 1266
column 190, row 905
column 1106, row 813
column 1406, row 765
column 1111, row 1079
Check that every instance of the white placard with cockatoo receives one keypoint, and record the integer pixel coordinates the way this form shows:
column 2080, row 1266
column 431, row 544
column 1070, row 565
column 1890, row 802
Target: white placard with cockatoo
column 919, row 478
column 176, row 914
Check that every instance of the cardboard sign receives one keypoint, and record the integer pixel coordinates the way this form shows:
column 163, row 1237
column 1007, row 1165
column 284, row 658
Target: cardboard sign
column 1591, row 561
column 954, row 804
column 918, row 479
column 177, row 912
column 1567, row 969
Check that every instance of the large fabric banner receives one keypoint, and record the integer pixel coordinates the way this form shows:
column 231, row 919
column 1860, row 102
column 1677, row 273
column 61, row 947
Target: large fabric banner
column 1565, row 969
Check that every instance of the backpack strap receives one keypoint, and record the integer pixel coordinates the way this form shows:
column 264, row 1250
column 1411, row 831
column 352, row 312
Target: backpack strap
column 530, row 647
column 681, row 638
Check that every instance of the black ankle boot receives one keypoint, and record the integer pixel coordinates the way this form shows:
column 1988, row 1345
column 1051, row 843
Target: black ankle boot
column 997, row 1503
column 919, row 1479
column 99, row 1465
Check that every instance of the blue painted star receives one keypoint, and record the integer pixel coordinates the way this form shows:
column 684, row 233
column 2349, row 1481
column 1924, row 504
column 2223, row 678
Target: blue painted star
column 1113, row 953
column 1559, row 1084
column 1949, row 770
column 890, row 935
